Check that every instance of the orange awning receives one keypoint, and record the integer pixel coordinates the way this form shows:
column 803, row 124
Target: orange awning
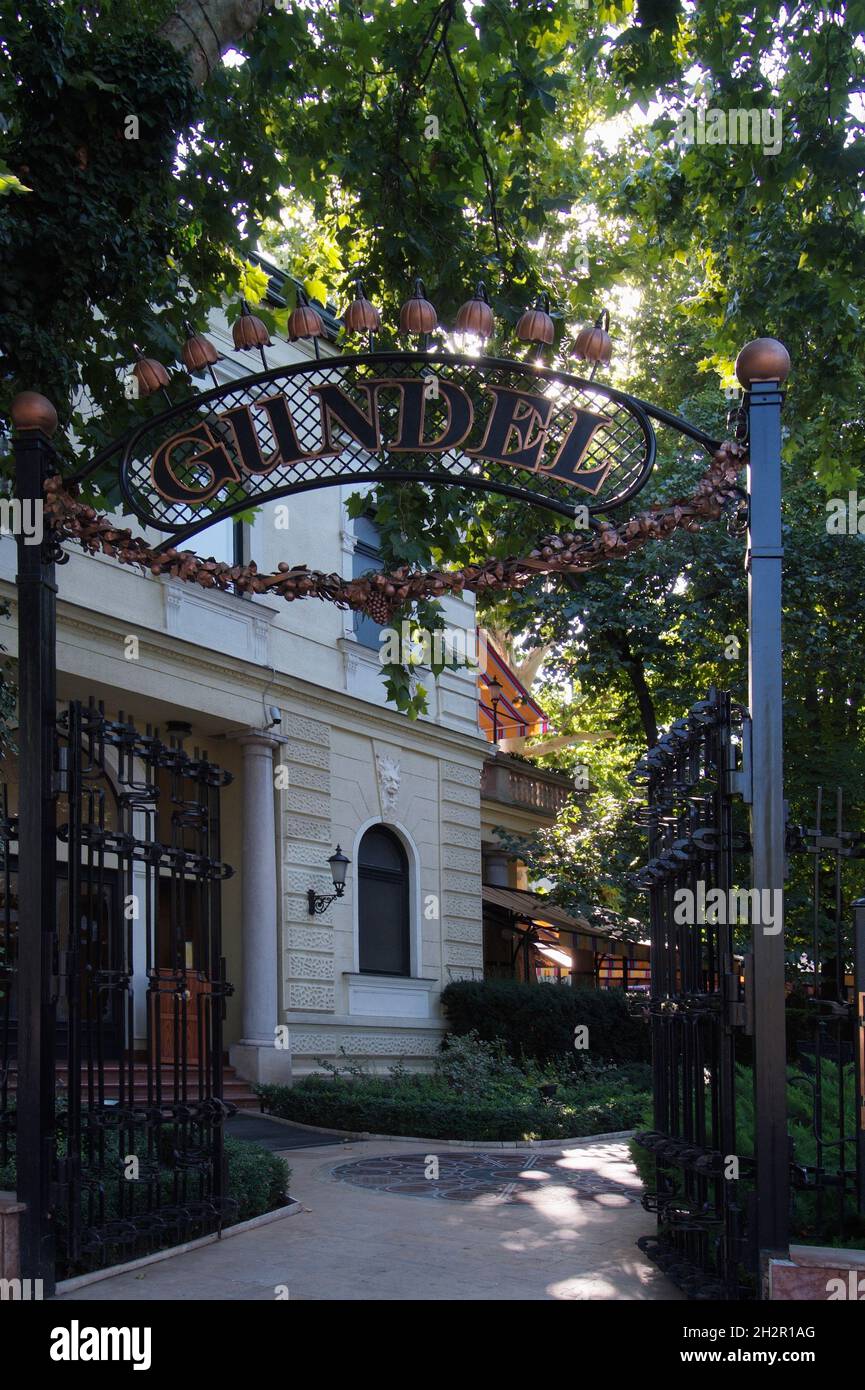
column 517, row 714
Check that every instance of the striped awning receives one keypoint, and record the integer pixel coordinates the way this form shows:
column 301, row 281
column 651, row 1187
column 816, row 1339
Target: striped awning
column 531, row 907
column 517, row 714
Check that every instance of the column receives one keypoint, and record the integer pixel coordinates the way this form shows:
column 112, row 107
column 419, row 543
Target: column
column 259, row 897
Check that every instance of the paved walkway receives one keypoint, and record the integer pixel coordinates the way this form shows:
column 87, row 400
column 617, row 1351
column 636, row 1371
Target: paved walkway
column 275, row 1135
column 563, row 1226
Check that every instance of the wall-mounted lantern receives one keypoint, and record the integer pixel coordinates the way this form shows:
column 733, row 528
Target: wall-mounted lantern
column 320, row 902
column 494, row 691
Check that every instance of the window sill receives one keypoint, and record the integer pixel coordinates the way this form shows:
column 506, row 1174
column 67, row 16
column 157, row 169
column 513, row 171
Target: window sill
column 385, row 980
column 225, row 622
column 391, row 996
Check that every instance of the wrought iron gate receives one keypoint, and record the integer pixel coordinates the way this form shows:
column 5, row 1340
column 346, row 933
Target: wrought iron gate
column 826, row 1031
column 8, row 971
column 703, row 1188
column 138, row 994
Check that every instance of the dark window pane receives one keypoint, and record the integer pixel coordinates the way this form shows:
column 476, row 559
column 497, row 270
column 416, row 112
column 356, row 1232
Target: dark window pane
column 365, row 559
column 367, row 632
column 383, row 928
column 381, row 850
column 366, row 531
column 383, row 915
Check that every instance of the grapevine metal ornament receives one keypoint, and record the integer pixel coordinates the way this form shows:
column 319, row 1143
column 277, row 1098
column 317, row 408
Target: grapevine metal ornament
column 249, row 332
column 381, row 594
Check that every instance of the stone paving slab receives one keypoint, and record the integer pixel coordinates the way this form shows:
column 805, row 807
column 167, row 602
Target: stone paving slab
column 248, row 1124
column 482, row 1178
column 351, row 1243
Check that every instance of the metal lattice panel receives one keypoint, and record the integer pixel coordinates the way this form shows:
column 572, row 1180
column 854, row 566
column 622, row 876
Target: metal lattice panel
column 705, row 1238
column 139, row 1160
column 623, row 446
column 826, row 1030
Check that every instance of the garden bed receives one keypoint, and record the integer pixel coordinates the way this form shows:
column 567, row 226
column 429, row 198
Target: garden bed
column 474, row 1093
column 257, row 1183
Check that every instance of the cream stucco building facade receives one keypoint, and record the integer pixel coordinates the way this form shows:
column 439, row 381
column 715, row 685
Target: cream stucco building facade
column 339, row 761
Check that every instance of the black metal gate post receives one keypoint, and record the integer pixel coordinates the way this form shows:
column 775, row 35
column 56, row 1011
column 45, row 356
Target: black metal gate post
column 859, row 1045
column 37, row 604
column 763, row 404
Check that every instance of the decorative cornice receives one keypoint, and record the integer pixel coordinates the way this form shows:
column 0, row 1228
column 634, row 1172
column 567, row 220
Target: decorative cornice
column 257, row 738
column 291, row 693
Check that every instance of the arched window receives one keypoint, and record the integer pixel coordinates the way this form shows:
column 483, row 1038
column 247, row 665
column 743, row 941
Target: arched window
column 383, row 904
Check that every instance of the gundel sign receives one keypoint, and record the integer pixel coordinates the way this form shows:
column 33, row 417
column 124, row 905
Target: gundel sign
column 555, row 441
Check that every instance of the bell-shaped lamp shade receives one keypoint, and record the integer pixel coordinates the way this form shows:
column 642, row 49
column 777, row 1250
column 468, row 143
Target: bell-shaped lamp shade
column 338, row 862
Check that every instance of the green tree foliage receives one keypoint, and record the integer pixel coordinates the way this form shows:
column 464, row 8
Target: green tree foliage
column 531, row 145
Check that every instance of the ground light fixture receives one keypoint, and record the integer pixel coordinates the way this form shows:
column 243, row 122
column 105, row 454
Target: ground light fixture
column 320, row 902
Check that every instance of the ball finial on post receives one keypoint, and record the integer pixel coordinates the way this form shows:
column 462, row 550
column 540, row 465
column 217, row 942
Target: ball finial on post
column 32, row 411
column 763, row 359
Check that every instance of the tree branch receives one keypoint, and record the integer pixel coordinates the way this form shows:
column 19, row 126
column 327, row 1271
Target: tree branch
column 474, row 131
column 203, row 30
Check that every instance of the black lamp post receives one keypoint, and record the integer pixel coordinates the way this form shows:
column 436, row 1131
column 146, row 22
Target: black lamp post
column 320, row 902
column 495, row 687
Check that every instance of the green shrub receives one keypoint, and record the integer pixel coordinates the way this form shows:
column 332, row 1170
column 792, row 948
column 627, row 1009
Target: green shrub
column 537, row 1022
column 476, row 1092
column 470, row 1066
column 257, row 1179
column 808, row 1226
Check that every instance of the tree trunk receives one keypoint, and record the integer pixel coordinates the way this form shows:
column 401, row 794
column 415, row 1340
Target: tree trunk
column 637, row 676
column 644, row 700
column 205, row 29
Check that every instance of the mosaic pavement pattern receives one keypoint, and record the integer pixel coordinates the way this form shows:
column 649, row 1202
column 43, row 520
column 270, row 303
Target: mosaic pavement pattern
column 484, row 1177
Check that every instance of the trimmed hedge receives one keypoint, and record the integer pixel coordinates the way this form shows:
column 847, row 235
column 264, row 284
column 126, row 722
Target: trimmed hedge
column 414, row 1108
column 537, row 1022
column 257, row 1179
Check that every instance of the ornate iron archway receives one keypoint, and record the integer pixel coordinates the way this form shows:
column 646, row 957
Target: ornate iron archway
column 559, row 443
column 541, row 436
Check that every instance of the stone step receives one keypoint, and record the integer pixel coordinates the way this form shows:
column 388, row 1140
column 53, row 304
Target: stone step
column 234, row 1088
